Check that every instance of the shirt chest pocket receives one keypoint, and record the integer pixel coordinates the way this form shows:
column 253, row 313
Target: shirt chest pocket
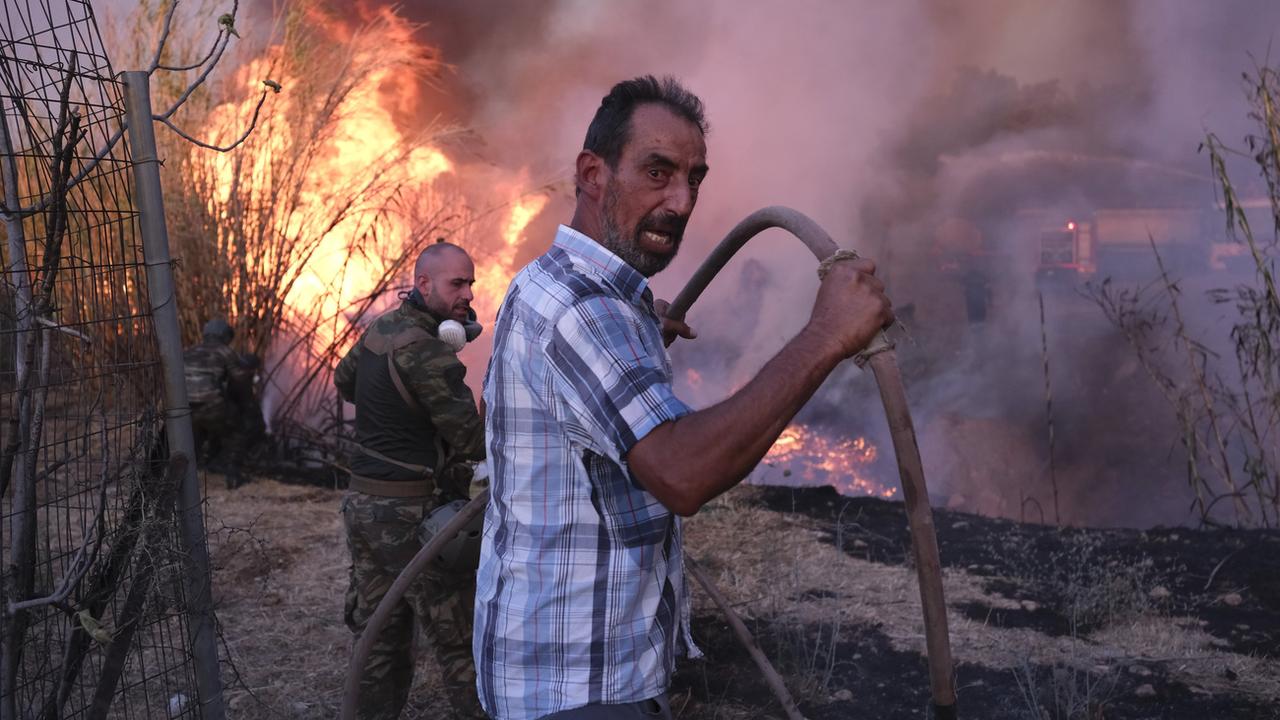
column 631, row 515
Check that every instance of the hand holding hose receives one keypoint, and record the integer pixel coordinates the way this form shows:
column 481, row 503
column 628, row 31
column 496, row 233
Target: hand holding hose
column 672, row 328
column 851, row 308
column 879, row 355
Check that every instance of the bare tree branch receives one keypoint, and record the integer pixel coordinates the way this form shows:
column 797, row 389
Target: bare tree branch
column 87, row 553
column 164, row 36
column 209, row 62
column 184, row 68
column 220, row 148
column 64, row 329
column 87, row 168
column 195, row 84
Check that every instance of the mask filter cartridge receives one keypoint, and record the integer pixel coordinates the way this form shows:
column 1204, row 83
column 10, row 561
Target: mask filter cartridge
column 453, row 334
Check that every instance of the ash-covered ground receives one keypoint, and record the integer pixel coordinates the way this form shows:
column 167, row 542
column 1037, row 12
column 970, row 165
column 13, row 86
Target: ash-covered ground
column 1045, row 623
column 1168, row 623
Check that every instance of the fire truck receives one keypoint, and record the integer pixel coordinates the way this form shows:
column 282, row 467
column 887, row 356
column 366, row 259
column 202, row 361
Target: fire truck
column 1119, row 242
column 975, row 267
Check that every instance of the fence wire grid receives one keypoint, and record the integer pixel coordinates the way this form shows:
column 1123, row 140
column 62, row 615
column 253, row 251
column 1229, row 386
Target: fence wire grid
column 94, row 621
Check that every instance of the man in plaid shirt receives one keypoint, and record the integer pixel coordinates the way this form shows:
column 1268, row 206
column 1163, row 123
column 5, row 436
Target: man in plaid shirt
column 581, row 600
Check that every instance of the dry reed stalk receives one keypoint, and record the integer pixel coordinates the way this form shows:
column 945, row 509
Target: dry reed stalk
column 251, row 227
column 1048, row 407
column 1230, row 426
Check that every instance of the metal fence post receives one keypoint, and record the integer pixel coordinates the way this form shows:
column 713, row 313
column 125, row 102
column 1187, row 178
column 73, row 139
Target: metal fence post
column 177, row 411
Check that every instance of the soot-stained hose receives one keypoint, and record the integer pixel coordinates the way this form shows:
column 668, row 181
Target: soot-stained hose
column 884, row 364
column 747, row 640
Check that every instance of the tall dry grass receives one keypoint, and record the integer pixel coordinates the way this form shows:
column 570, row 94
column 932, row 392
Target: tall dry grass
column 1226, row 401
column 288, row 236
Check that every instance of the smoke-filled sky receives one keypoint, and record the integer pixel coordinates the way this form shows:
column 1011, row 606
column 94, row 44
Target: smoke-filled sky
column 902, row 128
column 844, row 110
column 886, row 121
column 813, row 104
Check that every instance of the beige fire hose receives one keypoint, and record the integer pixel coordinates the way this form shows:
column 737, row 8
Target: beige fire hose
column 923, row 541
column 884, row 364
column 747, row 640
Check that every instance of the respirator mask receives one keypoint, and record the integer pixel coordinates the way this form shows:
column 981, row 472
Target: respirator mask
column 457, row 334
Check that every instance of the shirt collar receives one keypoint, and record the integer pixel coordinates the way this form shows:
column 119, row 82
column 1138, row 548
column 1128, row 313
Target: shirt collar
column 599, row 261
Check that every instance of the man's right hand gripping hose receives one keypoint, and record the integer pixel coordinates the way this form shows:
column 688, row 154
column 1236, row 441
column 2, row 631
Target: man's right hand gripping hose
column 868, row 345
column 879, row 341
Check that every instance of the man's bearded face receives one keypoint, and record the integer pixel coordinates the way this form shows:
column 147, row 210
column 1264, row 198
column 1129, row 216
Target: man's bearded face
column 447, row 287
column 650, row 194
column 649, row 244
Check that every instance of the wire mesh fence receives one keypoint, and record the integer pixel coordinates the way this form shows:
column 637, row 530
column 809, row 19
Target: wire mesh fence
column 94, row 621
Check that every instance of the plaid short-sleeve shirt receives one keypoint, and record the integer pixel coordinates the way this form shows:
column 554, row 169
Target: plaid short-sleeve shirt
column 580, row 596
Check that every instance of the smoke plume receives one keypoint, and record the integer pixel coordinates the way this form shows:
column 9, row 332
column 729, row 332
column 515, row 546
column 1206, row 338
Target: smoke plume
column 915, row 132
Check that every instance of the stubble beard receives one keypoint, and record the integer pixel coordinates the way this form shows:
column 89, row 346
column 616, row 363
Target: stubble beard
column 438, row 307
column 628, row 249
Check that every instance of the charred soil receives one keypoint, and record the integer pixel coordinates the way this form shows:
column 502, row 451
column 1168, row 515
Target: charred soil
column 1045, row 623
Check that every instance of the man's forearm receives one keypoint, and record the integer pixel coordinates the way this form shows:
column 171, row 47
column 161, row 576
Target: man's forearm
column 689, row 461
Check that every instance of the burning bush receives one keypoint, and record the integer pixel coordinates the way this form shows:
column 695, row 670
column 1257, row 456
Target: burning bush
column 308, row 228
column 304, row 229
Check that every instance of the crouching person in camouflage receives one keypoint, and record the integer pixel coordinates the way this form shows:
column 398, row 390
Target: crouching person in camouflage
column 215, row 378
column 417, row 431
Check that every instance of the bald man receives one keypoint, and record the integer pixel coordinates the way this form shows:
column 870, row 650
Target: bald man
column 417, row 433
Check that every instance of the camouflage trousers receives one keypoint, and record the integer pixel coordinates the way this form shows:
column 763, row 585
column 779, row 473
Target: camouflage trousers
column 217, row 429
column 382, row 535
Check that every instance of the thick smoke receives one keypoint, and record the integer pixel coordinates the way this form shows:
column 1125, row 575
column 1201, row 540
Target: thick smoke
column 918, row 133
column 1061, row 113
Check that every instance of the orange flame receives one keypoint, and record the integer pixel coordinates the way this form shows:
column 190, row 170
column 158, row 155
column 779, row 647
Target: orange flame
column 841, row 463
column 494, row 275
column 330, row 277
column 366, row 148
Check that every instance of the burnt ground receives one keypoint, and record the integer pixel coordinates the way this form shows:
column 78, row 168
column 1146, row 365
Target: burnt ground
column 1168, row 623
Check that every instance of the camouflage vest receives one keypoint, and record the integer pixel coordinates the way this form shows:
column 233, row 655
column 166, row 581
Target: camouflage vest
column 394, row 432
column 205, row 369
